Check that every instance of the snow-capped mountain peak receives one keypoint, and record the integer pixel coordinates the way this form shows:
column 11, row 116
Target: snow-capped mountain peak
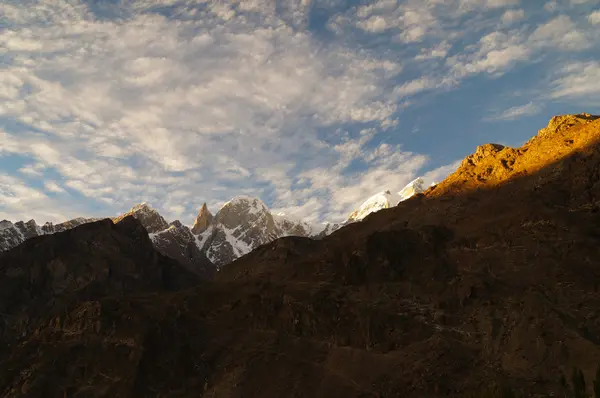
column 412, row 188
column 239, row 226
column 249, row 204
column 386, row 199
column 381, row 200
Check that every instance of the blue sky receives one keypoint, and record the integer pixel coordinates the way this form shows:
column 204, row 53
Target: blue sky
column 311, row 105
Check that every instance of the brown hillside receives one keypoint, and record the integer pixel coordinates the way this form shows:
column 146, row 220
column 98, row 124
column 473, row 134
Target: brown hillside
column 491, row 277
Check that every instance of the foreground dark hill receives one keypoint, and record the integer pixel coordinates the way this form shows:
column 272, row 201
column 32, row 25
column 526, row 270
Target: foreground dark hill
column 489, row 278
column 48, row 274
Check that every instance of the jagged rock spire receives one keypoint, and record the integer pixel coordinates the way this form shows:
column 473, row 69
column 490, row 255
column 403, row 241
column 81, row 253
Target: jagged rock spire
column 203, row 220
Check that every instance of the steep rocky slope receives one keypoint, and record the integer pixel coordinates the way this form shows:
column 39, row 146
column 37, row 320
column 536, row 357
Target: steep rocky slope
column 12, row 235
column 490, row 277
column 240, row 225
column 203, row 220
column 149, row 217
column 47, row 274
column 179, row 243
column 243, row 224
column 173, row 240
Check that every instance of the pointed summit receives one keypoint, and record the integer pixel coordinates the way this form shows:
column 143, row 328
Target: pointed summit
column 150, row 218
column 203, row 220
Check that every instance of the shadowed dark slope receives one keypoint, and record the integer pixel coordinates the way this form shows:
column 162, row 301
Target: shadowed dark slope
column 490, row 277
column 47, row 274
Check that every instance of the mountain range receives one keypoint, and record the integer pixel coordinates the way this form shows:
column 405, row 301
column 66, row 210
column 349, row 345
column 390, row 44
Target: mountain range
column 484, row 285
column 241, row 225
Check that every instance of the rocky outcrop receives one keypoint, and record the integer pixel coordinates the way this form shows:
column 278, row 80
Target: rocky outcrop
column 178, row 242
column 172, row 240
column 49, row 228
column 494, row 164
column 12, row 235
column 565, row 122
column 245, row 223
column 288, row 226
column 241, row 225
column 149, row 217
column 203, row 221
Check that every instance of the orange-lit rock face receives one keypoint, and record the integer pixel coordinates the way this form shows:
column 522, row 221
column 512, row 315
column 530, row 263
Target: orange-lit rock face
column 492, row 164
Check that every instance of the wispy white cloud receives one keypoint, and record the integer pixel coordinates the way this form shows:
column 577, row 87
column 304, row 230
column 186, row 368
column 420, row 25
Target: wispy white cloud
column 214, row 94
column 594, row 18
column 495, row 53
column 181, row 102
column 578, row 81
column 19, row 201
column 563, row 33
column 516, row 112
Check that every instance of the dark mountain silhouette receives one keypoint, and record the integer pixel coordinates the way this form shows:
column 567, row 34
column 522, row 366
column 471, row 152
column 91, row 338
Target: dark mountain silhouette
column 50, row 273
column 489, row 278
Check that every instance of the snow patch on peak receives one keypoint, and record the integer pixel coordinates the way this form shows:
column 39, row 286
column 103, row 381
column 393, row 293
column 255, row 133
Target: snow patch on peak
column 387, row 199
column 412, row 188
column 243, row 199
column 144, row 206
column 381, row 200
column 293, row 226
column 252, row 205
column 287, row 217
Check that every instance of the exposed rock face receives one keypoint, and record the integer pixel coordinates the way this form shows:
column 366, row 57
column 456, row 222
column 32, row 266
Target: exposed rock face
column 565, row 122
column 240, row 225
column 12, row 235
column 475, row 281
column 494, row 164
column 172, row 240
column 150, row 218
column 203, row 220
column 329, row 228
column 49, row 228
column 244, row 223
column 179, row 243
column 46, row 274
column 287, row 226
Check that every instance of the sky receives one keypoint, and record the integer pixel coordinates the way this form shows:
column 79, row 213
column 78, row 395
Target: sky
column 311, row 105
